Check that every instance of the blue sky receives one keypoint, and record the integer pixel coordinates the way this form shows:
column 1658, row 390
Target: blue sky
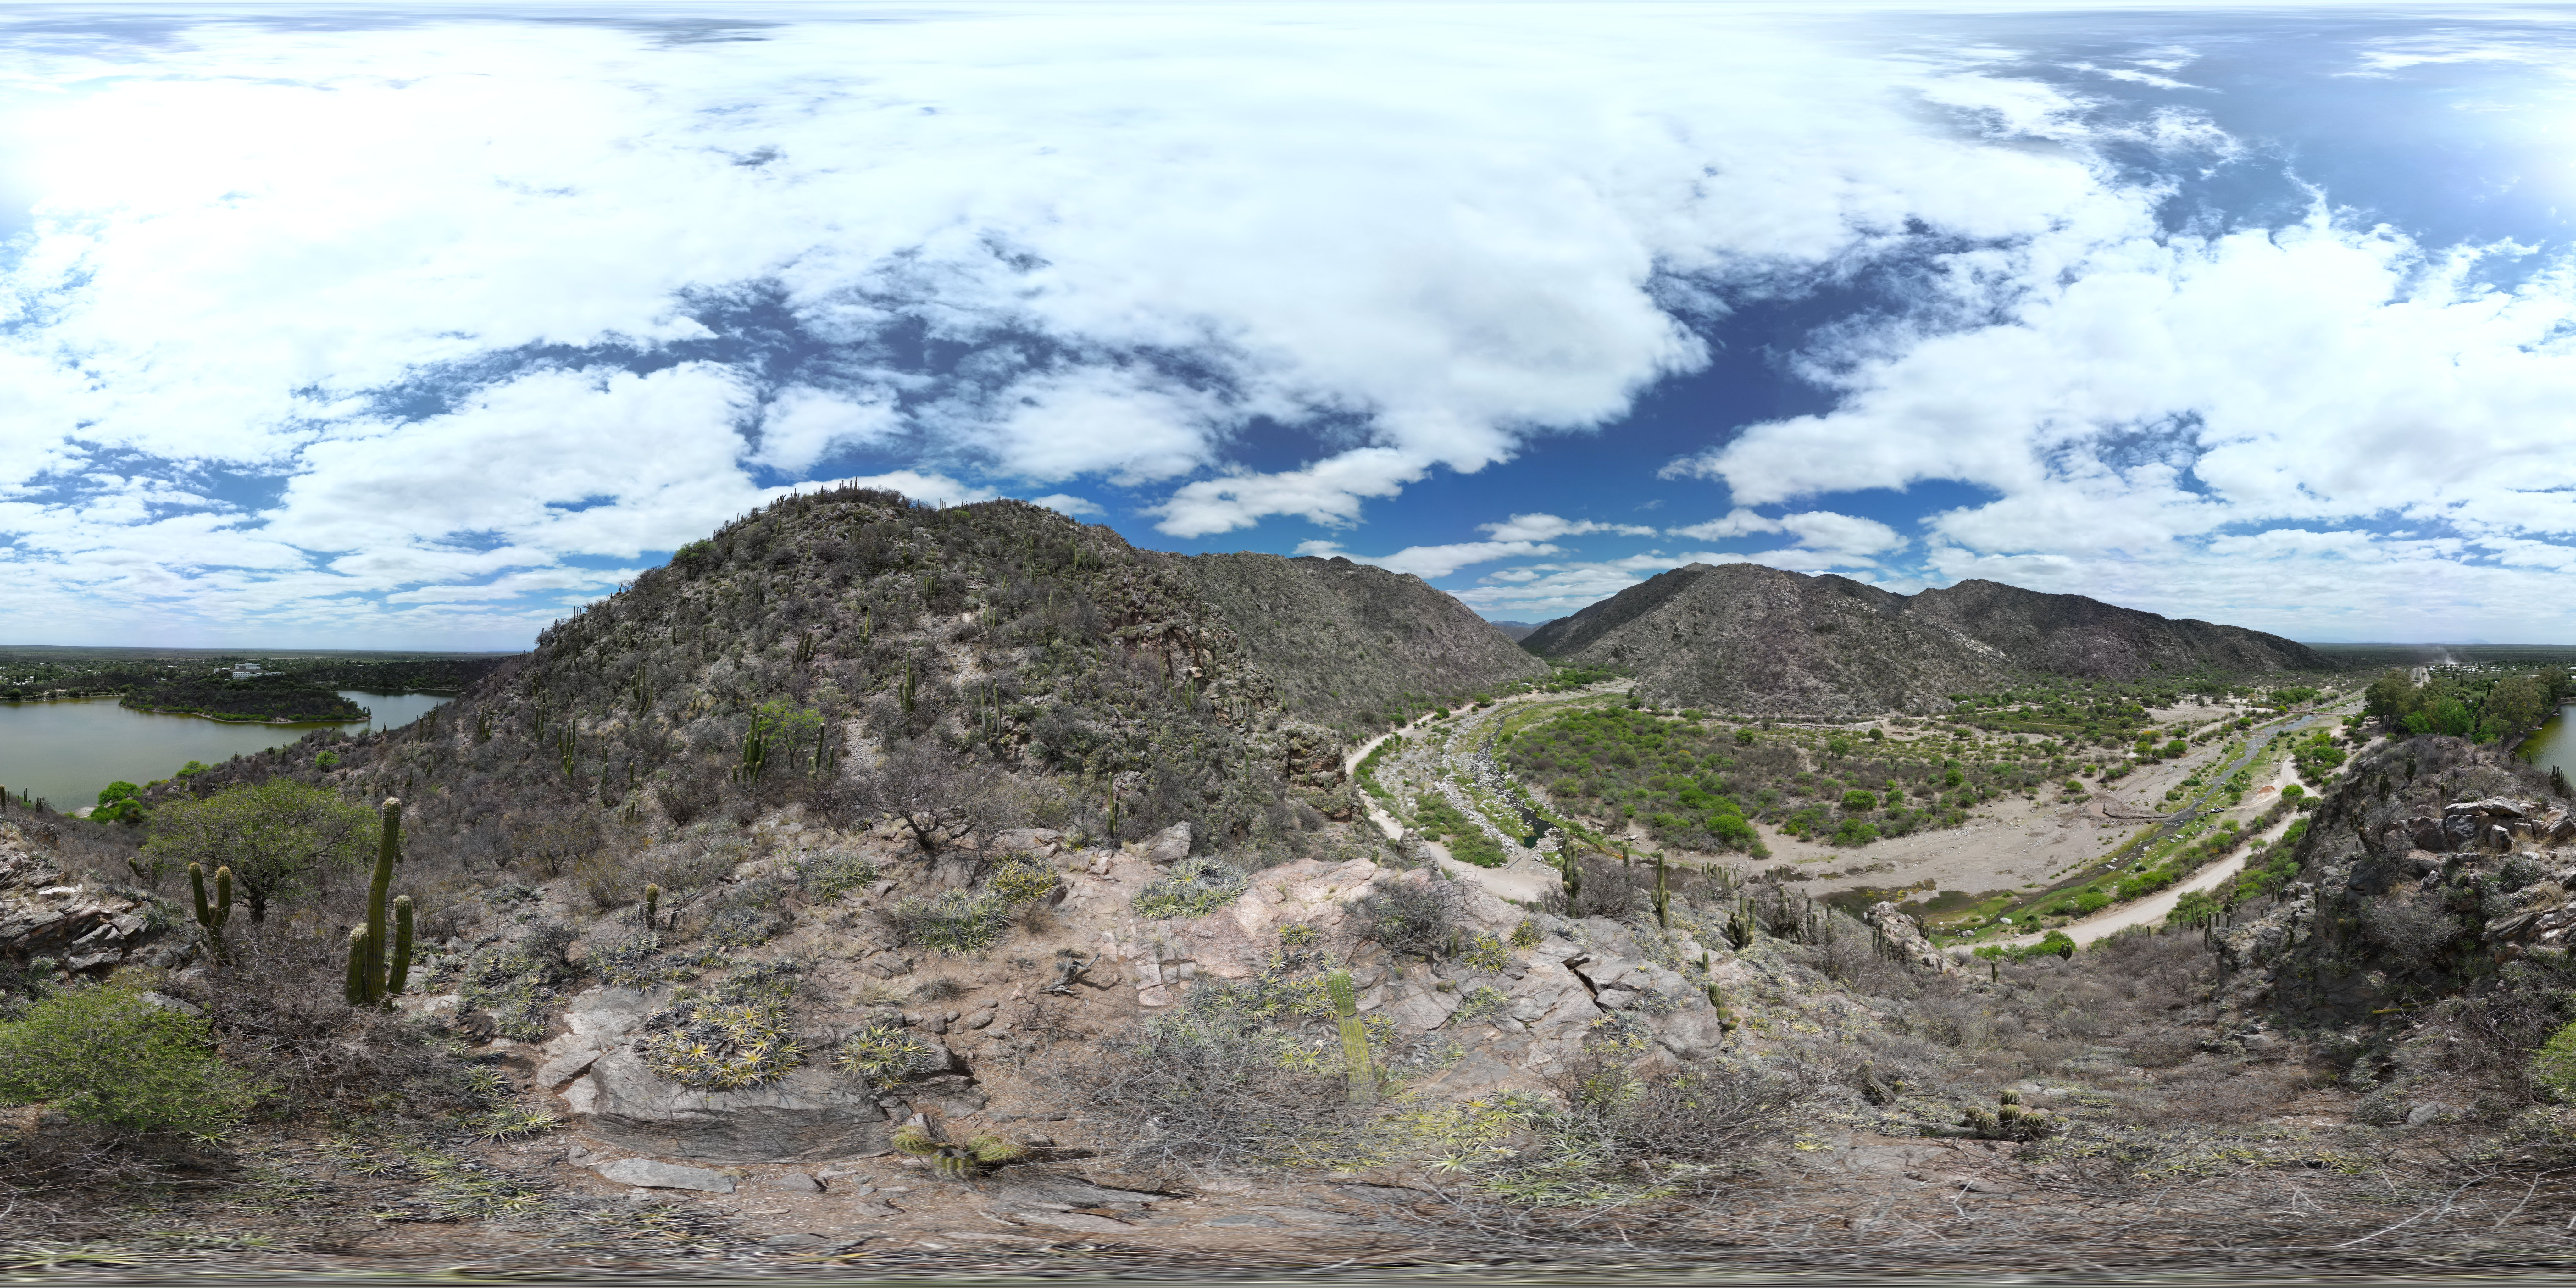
column 422, row 327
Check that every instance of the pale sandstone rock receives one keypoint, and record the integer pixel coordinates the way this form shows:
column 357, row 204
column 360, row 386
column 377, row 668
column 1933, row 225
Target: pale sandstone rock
column 654, row 1174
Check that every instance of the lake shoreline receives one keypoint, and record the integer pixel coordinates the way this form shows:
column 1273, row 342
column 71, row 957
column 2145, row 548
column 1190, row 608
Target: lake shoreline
column 65, row 750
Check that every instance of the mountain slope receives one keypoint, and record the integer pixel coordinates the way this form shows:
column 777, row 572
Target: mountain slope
column 1120, row 690
column 1340, row 639
column 1742, row 637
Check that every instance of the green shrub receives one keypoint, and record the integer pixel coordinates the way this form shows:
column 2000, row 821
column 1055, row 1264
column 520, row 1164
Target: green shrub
column 1484, row 1001
column 105, row 1055
column 1473, row 846
column 1486, row 953
column 1020, row 879
column 953, row 922
column 2553, row 1066
column 1192, row 888
column 834, row 871
column 1734, row 831
column 959, row 921
column 1859, row 802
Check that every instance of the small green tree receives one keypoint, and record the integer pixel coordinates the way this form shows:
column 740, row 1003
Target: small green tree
column 274, row 836
column 117, row 804
column 108, row 1056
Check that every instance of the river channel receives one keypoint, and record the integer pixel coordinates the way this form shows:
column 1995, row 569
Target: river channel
column 64, row 752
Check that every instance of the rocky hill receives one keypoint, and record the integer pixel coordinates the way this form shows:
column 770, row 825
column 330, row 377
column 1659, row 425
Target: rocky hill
column 1342, row 640
column 1117, row 690
column 1756, row 640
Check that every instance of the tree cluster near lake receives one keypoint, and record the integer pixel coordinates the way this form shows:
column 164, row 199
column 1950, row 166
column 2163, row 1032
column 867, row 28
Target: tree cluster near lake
column 277, row 698
column 2483, row 703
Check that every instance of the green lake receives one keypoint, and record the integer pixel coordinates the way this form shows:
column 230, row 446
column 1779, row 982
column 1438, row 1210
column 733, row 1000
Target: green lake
column 2555, row 745
column 64, row 752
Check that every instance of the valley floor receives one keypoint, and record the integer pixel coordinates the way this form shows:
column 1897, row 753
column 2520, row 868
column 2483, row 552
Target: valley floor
column 2014, row 846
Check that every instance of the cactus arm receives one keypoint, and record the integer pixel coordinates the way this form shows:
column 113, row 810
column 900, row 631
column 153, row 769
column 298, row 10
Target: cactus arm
column 399, row 972
column 197, row 886
column 223, row 896
column 356, row 989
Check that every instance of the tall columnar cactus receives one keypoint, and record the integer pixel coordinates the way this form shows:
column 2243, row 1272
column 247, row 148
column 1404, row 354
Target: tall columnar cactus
column 1355, row 1049
column 1663, row 897
column 377, row 972
column 652, row 906
column 213, row 915
column 388, row 851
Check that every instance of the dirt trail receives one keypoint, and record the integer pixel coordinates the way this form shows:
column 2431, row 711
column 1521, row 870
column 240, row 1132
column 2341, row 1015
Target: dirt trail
column 2155, row 907
column 1523, row 881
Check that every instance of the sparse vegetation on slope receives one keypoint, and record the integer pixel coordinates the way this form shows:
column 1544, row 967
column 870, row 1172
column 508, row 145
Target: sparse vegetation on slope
column 1745, row 639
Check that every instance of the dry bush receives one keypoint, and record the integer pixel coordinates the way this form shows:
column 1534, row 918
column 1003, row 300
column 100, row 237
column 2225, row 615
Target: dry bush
column 277, row 1009
column 1405, row 918
column 1177, row 1099
column 1855, row 962
column 1709, row 1113
column 2409, row 930
column 686, row 798
column 2210, row 1092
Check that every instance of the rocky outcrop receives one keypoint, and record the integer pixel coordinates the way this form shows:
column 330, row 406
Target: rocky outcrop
column 1904, row 937
column 1756, row 640
column 2430, row 865
column 79, row 926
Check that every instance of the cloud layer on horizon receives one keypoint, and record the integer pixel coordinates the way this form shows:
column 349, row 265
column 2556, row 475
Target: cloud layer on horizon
column 428, row 331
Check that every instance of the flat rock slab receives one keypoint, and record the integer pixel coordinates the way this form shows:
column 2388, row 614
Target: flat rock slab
column 1079, row 1222
column 811, row 1114
column 654, row 1174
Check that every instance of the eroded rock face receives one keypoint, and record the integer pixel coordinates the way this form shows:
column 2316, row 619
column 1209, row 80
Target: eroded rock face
column 1906, row 935
column 78, row 925
column 812, row 1113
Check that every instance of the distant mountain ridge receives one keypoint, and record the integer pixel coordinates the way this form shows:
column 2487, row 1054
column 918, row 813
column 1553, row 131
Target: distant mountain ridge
column 1743, row 637
column 1518, row 630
